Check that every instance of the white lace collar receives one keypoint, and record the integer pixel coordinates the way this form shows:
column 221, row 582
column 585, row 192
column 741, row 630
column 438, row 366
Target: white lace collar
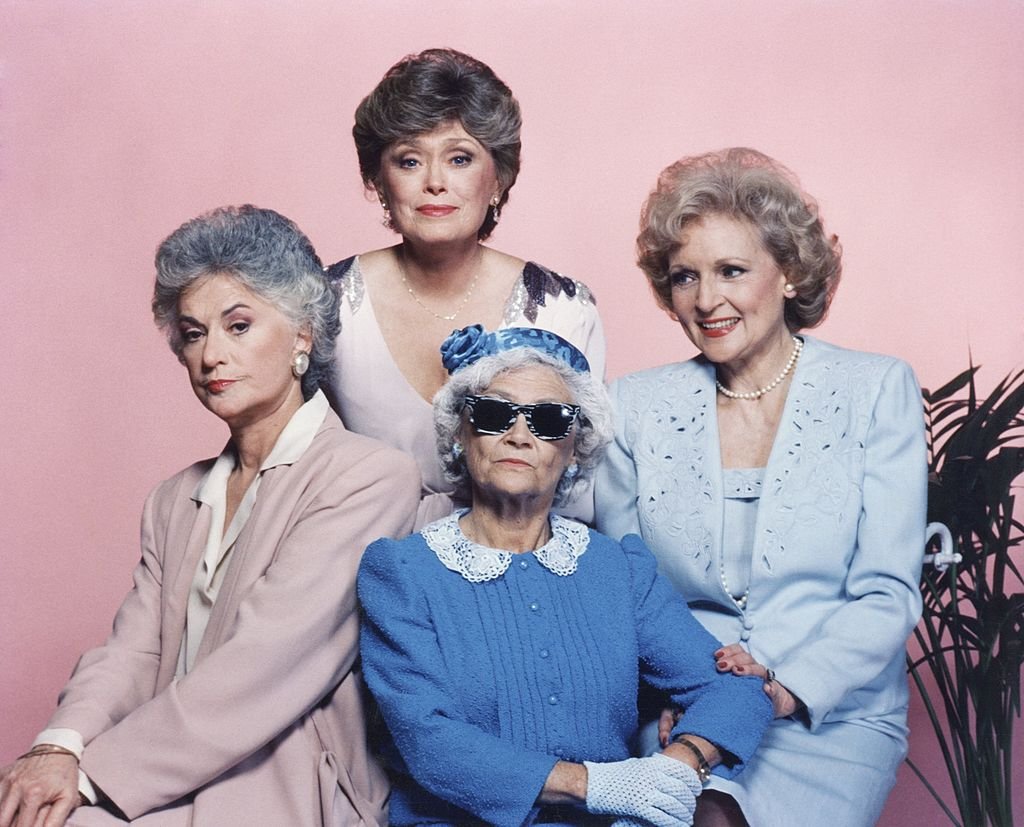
column 477, row 563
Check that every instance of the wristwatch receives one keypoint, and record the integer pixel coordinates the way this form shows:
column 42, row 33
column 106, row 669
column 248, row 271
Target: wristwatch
column 703, row 770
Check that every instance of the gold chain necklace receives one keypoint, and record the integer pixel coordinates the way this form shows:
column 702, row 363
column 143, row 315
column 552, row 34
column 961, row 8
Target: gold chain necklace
column 442, row 317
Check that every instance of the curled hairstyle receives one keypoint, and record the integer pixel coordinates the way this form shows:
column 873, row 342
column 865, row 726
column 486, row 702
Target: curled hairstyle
column 743, row 184
column 592, row 430
column 422, row 92
column 267, row 253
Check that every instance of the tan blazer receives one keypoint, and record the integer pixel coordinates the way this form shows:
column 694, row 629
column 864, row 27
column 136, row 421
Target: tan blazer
column 268, row 727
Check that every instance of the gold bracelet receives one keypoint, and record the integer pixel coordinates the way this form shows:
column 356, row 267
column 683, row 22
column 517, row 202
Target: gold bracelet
column 703, row 769
column 47, row 749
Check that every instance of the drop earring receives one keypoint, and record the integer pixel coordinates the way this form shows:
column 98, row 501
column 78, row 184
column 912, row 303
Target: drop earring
column 386, row 218
column 495, row 209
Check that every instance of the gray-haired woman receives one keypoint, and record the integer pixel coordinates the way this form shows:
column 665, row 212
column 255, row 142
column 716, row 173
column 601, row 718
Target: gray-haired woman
column 227, row 694
column 438, row 144
column 504, row 644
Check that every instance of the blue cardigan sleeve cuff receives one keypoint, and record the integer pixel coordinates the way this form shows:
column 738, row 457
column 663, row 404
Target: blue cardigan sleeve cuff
column 677, row 655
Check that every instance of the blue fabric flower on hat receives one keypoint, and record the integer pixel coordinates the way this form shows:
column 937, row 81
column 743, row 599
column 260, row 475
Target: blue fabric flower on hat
column 466, row 346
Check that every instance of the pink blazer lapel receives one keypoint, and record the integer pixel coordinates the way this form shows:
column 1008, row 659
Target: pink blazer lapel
column 186, row 539
column 253, row 552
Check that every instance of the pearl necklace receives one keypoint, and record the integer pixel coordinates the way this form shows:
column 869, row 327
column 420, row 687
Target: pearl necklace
column 798, row 345
column 444, row 318
column 741, row 601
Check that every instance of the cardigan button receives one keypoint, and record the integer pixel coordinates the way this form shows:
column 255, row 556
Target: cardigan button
column 745, row 635
column 523, row 564
column 544, row 654
column 552, row 699
column 535, row 606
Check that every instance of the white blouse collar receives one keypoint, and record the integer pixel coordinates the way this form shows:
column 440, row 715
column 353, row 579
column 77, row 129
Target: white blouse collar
column 478, row 564
column 291, row 444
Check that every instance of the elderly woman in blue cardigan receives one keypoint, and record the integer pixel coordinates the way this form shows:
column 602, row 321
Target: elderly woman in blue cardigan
column 504, row 643
column 780, row 481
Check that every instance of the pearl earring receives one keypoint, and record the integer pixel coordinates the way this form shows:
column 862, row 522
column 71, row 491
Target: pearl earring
column 789, row 287
column 495, row 209
column 456, row 449
column 300, row 364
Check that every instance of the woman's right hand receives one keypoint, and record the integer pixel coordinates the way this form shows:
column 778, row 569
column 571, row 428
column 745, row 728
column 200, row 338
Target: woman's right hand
column 39, row 791
column 657, row 790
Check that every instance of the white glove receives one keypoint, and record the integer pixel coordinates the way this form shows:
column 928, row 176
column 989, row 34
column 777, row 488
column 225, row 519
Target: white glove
column 659, row 790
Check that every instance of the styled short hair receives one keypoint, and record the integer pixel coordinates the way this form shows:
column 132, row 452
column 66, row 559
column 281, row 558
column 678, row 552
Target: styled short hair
column 437, row 86
column 592, row 431
column 744, row 184
column 267, row 253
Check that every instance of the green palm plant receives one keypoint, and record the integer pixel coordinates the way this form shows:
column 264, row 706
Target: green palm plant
column 971, row 633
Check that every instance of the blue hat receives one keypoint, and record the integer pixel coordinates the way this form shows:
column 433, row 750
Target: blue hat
column 466, row 346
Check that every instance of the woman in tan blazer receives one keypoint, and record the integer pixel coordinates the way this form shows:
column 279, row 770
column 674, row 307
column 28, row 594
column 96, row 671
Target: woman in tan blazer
column 228, row 693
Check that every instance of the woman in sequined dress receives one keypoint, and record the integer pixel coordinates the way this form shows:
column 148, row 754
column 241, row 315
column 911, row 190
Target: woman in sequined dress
column 781, row 483
column 438, row 144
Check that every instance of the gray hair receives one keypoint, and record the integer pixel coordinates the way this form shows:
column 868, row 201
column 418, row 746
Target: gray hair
column 745, row 184
column 593, row 428
column 422, row 92
column 267, row 253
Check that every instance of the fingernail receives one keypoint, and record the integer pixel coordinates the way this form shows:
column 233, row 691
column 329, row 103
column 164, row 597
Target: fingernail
column 739, row 669
column 719, row 653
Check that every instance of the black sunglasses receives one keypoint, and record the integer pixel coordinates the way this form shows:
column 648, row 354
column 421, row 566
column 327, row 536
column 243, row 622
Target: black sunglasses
column 546, row 420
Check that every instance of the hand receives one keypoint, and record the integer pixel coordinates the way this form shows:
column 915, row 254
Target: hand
column 39, row 791
column 734, row 658
column 658, row 790
column 666, row 723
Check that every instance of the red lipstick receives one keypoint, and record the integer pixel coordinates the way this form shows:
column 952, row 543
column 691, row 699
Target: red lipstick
column 435, row 210
column 219, row 385
column 717, row 328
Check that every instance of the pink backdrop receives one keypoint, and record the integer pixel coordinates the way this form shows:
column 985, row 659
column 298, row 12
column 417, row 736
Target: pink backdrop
column 121, row 119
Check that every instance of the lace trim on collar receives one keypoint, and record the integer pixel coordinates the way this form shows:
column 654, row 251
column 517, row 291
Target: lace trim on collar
column 478, row 564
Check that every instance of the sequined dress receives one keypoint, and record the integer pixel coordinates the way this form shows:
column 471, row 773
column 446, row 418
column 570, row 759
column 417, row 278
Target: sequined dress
column 374, row 398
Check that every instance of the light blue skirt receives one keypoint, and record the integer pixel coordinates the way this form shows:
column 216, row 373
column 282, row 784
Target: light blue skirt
column 839, row 775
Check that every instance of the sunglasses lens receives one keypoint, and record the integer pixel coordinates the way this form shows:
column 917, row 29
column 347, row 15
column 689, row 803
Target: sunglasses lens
column 552, row 421
column 492, row 416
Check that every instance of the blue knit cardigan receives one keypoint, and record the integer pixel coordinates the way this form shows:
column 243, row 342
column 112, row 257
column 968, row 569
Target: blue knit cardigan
column 484, row 686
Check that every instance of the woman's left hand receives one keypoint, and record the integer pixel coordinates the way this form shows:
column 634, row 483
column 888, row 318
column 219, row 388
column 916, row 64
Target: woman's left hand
column 734, row 658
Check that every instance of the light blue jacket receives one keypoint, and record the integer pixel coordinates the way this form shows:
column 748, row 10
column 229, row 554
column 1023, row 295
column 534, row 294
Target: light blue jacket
column 840, row 528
